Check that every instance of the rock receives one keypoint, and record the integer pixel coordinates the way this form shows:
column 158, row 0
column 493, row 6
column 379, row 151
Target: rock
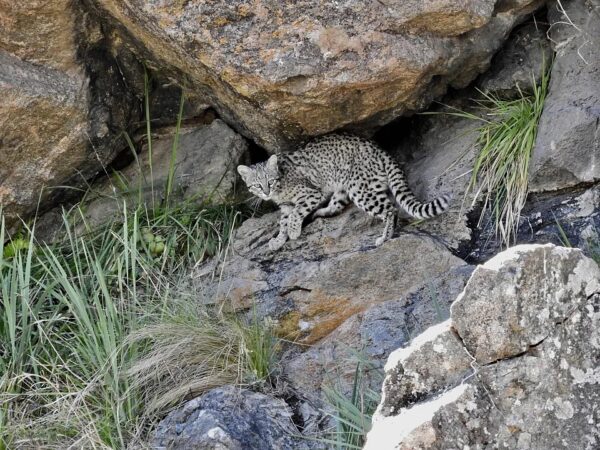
column 283, row 74
column 234, row 419
column 43, row 34
column 332, row 272
column 438, row 151
column 64, row 104
column 373, row 334
column 43, row 124
column 526, row 378
column 521, row 62
column 513, row 301
column 207, row 156
column 570, row 218
column 568, row 140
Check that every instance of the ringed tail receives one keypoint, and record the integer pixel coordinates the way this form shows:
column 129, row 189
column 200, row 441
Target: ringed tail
column 407, row 200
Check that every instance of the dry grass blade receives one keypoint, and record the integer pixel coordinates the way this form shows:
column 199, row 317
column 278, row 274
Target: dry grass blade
column 185, row 360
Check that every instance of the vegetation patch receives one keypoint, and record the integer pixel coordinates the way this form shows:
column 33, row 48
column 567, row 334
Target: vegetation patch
column 506, row 137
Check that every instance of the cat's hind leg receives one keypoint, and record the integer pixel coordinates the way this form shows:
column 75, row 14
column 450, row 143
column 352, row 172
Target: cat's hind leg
column 376, row 204
column 338, row 201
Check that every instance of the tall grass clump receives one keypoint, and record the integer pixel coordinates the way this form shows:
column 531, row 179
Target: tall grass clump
column 506, row 137
column 79, row 319
column 352, row 414
column 100, row 332
column 66, row 310
column 189, row 350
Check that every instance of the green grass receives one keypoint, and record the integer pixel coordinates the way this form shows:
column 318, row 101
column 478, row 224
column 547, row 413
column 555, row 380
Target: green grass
column 506, row 137
column 90, row 327
column 100, row 333
column 352, row 413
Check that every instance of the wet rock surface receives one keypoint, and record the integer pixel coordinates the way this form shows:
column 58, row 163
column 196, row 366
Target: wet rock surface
column 281, row 74
column 529, row 378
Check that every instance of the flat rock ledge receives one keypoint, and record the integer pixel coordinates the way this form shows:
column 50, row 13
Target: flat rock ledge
column 516, row 366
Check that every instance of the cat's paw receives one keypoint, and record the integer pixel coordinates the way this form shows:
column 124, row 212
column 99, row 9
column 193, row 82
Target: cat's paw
column 380, row 240
column 293, row 233
column 275, row 244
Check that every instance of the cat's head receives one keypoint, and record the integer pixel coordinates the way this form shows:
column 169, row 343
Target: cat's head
column 262, row 179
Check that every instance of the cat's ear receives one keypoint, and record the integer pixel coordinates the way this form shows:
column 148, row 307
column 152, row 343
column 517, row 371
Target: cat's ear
column 244, row 171
column 272, row 164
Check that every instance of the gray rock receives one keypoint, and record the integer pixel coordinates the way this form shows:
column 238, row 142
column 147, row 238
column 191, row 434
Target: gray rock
column 520, row 63
column 372, row 335
column 514, row 301
column 234, row 419
column 207, row 156
column 439, row 150
column 522, row 350
column 317, row 67
column 568, row 141
column 332, row 272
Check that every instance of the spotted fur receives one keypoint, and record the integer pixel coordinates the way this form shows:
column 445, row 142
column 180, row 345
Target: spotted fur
column 326, row 175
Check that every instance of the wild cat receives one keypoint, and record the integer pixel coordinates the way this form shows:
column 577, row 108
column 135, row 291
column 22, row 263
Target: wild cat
column 322, row 177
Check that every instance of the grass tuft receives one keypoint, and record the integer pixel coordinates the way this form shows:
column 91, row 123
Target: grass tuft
column 506, row 138
column 352, row 413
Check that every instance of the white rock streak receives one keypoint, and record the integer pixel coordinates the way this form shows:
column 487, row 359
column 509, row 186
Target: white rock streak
column 388, row 432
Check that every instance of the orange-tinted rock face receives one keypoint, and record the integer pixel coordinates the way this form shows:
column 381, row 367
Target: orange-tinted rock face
column 283, row 71
column 63, row 102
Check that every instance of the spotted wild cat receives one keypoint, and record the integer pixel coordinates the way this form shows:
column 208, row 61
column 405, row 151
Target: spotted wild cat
column 322, row 177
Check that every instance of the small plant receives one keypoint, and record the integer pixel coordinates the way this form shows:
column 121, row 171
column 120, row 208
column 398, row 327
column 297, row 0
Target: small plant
column 506, row 139
column 352, row 413
column 260, row 345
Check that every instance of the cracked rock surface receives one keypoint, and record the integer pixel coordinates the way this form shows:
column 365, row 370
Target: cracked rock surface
column 516, row 366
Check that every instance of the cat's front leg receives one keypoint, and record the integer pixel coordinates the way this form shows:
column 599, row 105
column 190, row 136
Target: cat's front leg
column 306, row 203
column 277, row 242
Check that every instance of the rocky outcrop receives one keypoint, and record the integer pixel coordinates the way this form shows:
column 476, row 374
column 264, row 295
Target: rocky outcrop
column 516, row 366
column 332, row 272
column 568, row 141
column 282, row 73
column 234, row 419
column 63, row 103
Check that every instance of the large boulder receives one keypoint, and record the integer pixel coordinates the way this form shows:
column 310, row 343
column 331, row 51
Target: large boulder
column 516, row 366
column 282, row 73
column 64, row 103
column 567, row 147
column 373, row 334
column 234, row 419
column 43, row 120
